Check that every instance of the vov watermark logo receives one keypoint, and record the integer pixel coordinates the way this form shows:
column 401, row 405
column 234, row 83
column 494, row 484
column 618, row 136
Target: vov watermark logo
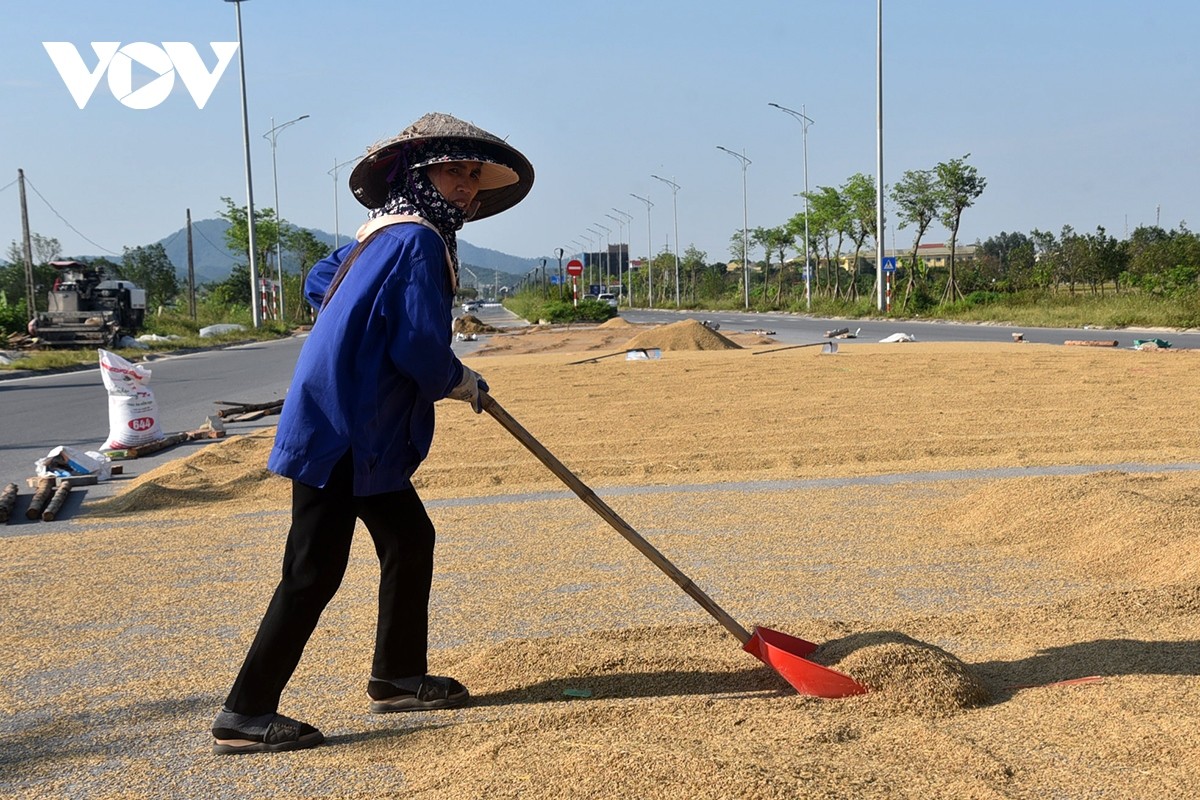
column 117, row 62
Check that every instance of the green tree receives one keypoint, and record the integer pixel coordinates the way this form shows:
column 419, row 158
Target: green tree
column 308, row 250
column 1007, row 261
column 917, row 203
column 829, row 224
column 1164, row 262
column 151, row 269
column 13, row 276
column 45, row 249
column 691, row 264
column 234, row 290
column 739, row 248
column 774, row 241
column 959, row 185
column 859, row 194
column 267, row 231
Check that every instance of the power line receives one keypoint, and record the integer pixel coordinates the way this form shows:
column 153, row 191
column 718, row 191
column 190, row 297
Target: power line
column 171, row 238
column 10, row 183
column 222, row 250
column 64, row 219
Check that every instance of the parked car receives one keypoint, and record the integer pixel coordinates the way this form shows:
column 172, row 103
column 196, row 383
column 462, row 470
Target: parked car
column 609, row 298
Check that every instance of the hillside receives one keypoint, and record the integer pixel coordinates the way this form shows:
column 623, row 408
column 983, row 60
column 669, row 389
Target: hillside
column 213, row 261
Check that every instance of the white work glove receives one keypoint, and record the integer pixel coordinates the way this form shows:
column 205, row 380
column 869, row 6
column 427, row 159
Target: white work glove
column 468, row 389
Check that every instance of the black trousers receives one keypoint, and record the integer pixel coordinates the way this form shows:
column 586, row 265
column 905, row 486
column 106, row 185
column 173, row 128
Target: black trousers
column 314, row 563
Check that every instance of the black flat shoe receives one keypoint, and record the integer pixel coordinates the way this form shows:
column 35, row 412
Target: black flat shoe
column 267, row 733
column 434, row 692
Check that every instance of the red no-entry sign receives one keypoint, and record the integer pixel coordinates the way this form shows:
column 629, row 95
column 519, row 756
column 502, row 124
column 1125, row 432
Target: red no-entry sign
column 575, row 267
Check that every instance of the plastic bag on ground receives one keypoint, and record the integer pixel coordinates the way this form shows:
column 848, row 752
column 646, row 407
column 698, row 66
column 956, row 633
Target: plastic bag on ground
column 67, row 462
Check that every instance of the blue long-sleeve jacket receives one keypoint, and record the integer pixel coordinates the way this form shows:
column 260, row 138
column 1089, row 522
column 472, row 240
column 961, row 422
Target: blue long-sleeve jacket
column 377, row 359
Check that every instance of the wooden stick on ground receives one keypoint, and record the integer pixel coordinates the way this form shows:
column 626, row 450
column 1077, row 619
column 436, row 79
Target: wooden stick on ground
column 44, row 490
column 56, row 502
column 8, row 499
column 273, row 407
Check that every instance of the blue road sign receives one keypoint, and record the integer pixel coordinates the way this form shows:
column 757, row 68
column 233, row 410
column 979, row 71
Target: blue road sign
column 889, row 264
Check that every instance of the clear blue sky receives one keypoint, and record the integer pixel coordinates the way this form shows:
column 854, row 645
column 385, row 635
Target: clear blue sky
column 1079, row 113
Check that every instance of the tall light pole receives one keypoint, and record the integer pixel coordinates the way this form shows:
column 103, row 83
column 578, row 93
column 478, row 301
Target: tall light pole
column 623, row 261
column 336, row 222
column 620, row 238
column 587, row 240
column 675, row 206
column 649, row 254
column 804, row 123
column 607, row 258
column 879, row 157
column 745, row 223
column 255, row 308
column 272, row 135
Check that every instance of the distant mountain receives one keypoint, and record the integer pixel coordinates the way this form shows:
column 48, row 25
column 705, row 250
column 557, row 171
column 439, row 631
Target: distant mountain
column 213, row 261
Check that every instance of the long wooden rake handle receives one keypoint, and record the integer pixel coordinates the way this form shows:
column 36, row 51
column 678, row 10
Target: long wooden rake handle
column 622, row 527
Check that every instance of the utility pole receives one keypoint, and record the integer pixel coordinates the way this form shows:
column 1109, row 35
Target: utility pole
column 252, row 244
column 191, row 269
column 29, row 287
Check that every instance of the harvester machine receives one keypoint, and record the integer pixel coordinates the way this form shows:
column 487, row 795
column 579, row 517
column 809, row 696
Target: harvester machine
column 88, row 310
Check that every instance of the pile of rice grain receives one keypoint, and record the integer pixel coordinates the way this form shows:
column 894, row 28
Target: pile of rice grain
column 230, row 469
column 686, row 334
column 469, row 323
column 617, row 322
column 904, row 675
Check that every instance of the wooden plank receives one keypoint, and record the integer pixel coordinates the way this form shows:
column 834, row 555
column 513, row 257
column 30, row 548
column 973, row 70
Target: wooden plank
column 55, row 480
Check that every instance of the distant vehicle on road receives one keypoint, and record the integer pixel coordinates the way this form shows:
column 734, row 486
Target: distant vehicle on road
column 611, row 299
column 471, row 305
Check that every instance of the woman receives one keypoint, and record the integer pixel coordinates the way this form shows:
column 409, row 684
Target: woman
column 359, row 420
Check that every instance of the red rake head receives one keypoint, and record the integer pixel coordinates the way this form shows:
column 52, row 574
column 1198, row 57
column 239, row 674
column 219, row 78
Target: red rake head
column 786, row 655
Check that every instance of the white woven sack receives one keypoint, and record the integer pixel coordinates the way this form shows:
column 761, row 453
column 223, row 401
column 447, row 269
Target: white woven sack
column 132, row 411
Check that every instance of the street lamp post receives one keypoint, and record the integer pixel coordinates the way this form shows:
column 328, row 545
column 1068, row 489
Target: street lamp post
column 879, row 157
column 623, row 260
column 272, row 135
column 336, row 222
column 675, row 206
column 607, row 256
column 804, row 123
column 559, row 250
column 745, row 223
column 255, row 308
column 649, row 253
column 620, row 238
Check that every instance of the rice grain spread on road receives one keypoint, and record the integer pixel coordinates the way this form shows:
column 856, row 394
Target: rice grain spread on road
column 1025, row 637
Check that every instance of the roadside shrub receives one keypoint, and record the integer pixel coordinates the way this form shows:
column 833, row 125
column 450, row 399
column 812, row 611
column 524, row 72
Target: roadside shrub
column 561, row 312
column 12, row 316
column 981, row 298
